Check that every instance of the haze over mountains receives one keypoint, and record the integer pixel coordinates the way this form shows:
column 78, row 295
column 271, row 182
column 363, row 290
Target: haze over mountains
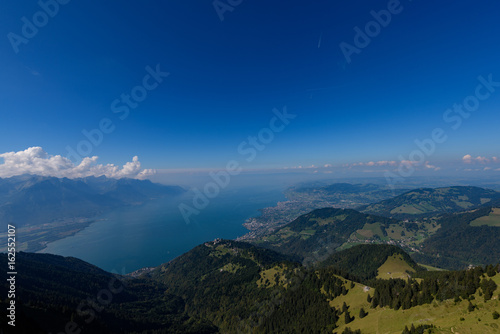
column 425, row 202
column 443, row 233
column 327, row 271
column 306, row 167
column 31, row 199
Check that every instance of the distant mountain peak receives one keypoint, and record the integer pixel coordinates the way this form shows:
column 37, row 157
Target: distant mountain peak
column 33, row 199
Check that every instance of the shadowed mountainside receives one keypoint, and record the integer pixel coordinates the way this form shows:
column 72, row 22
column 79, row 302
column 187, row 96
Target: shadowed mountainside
column 35, row 200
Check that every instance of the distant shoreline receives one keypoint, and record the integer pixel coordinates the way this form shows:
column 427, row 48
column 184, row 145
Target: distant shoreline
column 36, row 238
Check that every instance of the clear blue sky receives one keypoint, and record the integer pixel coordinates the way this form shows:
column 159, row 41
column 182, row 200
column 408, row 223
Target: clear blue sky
column 227, row 76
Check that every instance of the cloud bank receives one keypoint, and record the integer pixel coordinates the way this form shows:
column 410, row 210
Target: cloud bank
column 370, row 166
column 468, row 159
column 36, row 161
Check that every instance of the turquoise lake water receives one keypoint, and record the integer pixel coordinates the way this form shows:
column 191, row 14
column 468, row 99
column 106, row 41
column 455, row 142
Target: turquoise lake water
column 148, row 235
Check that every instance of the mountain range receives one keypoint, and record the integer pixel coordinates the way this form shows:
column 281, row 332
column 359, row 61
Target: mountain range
column 30, row 199
column 224, row 286
column 329, row 271
column 449, row 227
column 320, row 232
column 428, row 202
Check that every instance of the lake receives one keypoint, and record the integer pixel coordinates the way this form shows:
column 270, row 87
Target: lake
column 154, row 233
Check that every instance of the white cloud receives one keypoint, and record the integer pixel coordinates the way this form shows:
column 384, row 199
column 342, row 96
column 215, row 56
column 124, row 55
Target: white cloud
column 468, row 159
column 35, row 160
column 429, row 166
column 482, row 160
column 375, row 163
column 385, row 163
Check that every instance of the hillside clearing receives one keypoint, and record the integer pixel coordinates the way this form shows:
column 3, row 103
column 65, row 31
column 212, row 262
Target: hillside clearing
column 493, row 219
column 444, row 315
column 394, row 267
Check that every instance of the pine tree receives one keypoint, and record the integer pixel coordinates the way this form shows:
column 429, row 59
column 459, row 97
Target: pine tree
column 348, row 317
column 347, row 330
column 344, row 307
column 396, row 305
column 374, row 303
column 490, row 270
column 362, row 313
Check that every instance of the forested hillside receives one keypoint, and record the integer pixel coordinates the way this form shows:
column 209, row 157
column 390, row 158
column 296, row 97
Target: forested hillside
column 428, row 202
column 225, row 286
column 315, row 235
column 361, row 263
column 458, row 244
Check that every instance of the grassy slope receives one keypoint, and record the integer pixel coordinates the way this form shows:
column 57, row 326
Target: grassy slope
column 493, row 219
column 431, row 268
column 394, row 267
column 363, row 261
column 397, row 232
column 272, row 276
column 428, row 201
column 444, row 315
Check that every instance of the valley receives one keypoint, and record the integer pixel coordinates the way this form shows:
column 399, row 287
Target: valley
column 305, row 198
column 345, row 270
column 250, row 167
column 416, row 219
column 36, row 238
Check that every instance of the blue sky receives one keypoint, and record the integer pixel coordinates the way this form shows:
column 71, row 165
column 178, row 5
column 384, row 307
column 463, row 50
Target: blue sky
column 226, row 77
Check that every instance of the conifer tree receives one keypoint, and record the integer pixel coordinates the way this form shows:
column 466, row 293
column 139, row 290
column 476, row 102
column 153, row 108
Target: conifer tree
column 348, row 317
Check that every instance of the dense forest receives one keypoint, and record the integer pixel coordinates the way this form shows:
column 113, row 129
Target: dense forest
column 460, row 244
column 320, row 232
column 360, row 263
column 457, row 285
column 227, row 287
